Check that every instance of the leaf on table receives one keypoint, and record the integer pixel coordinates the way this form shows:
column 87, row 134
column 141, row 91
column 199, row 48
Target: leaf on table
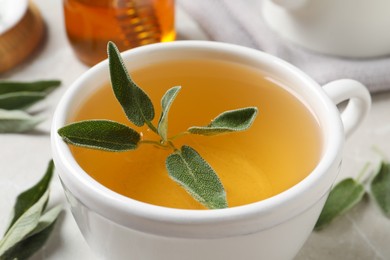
column 24, row 225
column 29, row 197
column 15, row 121
column 380, row 188
column 228, row 121
column 196, row 176
column 20, row 100
column 166, row 103
column 135, row 102
column 36, row 239
column 344, row 196
column 100, row 134
column 35, row 86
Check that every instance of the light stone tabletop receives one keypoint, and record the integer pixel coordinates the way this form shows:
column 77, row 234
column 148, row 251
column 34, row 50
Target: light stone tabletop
column 363, row 233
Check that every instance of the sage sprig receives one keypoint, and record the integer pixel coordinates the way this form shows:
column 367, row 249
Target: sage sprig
column 101, row 134
column 16, row 121
column 188, row 168
column 18, row 96
column 343, row 197
column 349, row 192
column 380, row 188
column 34, row 86
column 30, row 226
column 185, row 165
column 20, row 100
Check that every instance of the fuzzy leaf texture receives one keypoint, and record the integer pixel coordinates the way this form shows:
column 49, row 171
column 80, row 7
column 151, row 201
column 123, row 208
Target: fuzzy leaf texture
column 25, row 224
column 29, row 197
column 228, row 121
column 344, row 196
column 35, row 86
column 30, row 227
column 195, row 175
column 101, row 135
column 135, row 102
column 380, row 188
column 36, row 239
column 15, row 121
column 166, row 103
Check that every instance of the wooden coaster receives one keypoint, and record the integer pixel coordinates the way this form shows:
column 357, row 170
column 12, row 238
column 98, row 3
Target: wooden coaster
column 19, row 42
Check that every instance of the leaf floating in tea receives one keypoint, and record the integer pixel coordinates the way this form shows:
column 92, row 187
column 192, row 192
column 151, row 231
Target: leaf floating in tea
column 191, row 171
column 380, row 188
column 15, row 121
column 229, row 121
column 166, row 103
column 20, row 100
column 185, row 166
column 30, row 226
column 342, row 197
column 101, row 134
column 135, row 102
column 35, row 86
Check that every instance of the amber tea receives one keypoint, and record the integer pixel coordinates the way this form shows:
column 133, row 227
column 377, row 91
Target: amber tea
column 270, row 157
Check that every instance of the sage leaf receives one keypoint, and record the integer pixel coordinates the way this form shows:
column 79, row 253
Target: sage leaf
column 20, row 100
column 166, row 103
column 196, row 176
column 228, row 121
column 15, row 121
column 344, row 196
column 46, row 220
column 380, row 188
column 25, row 224
column 100, row 134
column 36, row 239
column 135, row 102
column 35, row 86
column 29, row 197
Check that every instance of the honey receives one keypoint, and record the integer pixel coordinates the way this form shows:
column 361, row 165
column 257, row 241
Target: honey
column 90, row 24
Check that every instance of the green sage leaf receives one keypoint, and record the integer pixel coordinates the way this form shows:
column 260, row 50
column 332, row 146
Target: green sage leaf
column 25, row 224
column 135, row 102
column 20, row 100
column 36, row 239
column 166, row 103
column 15, row 121
column 344, row 196
column 100, row 134
column 228, row 121
column 47, row 219
column 35, row 86
column 196, row 176
column 380, row 188
column 29, row 197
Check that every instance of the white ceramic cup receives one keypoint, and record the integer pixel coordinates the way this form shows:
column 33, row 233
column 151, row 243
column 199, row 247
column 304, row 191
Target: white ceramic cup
column 117, row 227
column 350, row 28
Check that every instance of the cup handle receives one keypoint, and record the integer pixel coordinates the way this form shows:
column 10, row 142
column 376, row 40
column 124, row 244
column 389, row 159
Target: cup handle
column 359, row 102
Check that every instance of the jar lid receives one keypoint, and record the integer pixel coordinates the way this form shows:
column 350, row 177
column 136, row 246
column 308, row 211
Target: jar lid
column 11, row 12
column 21, row 32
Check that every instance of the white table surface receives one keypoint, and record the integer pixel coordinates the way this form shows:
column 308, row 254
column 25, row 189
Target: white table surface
column 364, row 233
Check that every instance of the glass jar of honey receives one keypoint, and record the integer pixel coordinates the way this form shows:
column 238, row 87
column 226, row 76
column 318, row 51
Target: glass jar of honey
column 90, row 24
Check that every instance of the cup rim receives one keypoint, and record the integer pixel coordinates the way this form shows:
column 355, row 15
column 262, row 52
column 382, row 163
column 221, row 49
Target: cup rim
column 162, row 220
